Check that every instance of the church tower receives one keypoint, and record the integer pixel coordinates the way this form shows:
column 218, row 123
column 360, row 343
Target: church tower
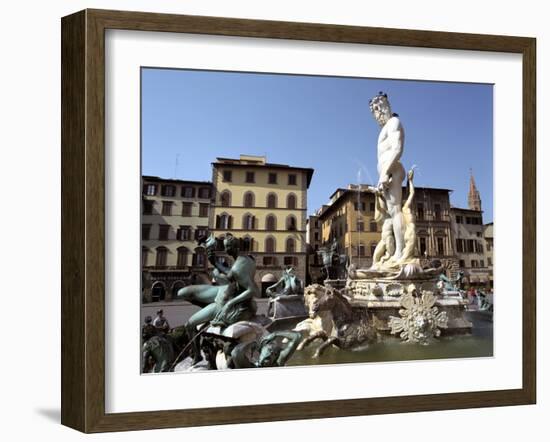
column 474, row 200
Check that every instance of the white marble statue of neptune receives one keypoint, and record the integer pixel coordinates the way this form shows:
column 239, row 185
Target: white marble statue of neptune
column 390, row 170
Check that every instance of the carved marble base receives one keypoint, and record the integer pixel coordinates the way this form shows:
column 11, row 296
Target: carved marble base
column 287, row 307
column 382, row 297
column 381, row 289
column 380, row 311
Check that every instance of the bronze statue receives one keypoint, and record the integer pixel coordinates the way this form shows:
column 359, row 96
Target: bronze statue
column 226, row 304
column 335, row 264
column 273, row 350
column 159, row 350
column 291, row 284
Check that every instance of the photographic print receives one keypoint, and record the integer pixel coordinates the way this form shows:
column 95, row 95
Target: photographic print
column 291, row 220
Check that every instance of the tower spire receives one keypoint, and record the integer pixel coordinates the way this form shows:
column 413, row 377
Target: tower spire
column 474, row 200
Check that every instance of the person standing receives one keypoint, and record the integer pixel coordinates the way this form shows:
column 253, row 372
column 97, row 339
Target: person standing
column 161, row 323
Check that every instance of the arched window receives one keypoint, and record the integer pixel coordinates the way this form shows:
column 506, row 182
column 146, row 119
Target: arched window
column 225, row 198
column 248, row 222
column 199, row 257
column 291, row 222
column 270, row 222
column 158, row 291
column 182, row 256
column 178, row 285
column 162, row 253
column 248, row 200
column 270, row 244
column 271, row 201
column 247, row 244
column 291, row 201
column 290, row 245
column 224, row 221
column 144, row 255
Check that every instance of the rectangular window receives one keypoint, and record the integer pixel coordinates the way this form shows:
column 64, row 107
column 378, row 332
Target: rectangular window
column 250, row 177
column 423, row 246
column 290, row 261
column 372, row 207
column 420, row 211
column 460, row 245
column 440, row 246
column 373, row 226
column 437, row 212
column 148, row 207
column 481, row 263
column 145, row 231
column 489, row 261
column 168, row 190
column 203, row 210
column 272, row 178
column 204, row 193
column 361, row 250
column 459, row 219
column 316, row 236
column 270, row 261
column 188, row 192
column 186, row 209
column 150, row 189
column 184, row 233
column 201, row 232
column 356, row 206
column 227, row 176
column 360, row 225
column 462, row 264
column 292, row 179
column 163, row 232
column 167, row 208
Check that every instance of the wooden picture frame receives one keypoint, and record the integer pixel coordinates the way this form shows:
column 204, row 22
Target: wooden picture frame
column 83, row 220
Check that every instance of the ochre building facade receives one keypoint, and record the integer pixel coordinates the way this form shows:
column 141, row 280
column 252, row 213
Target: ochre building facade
column 265, row 205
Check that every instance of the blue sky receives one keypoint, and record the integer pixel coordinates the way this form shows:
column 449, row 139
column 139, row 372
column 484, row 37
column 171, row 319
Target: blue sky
column 318, row 122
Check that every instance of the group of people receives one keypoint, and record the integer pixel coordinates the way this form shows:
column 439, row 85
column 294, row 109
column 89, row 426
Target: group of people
column 157, row 326
column 478, row 297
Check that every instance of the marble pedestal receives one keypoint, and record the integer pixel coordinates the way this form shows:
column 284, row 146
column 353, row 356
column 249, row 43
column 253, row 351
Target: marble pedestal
column 286, row 307
column 381, row 297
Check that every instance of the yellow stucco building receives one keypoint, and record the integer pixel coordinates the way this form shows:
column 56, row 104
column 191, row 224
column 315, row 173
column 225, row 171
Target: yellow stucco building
column 265, row 205
column 349, row 219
